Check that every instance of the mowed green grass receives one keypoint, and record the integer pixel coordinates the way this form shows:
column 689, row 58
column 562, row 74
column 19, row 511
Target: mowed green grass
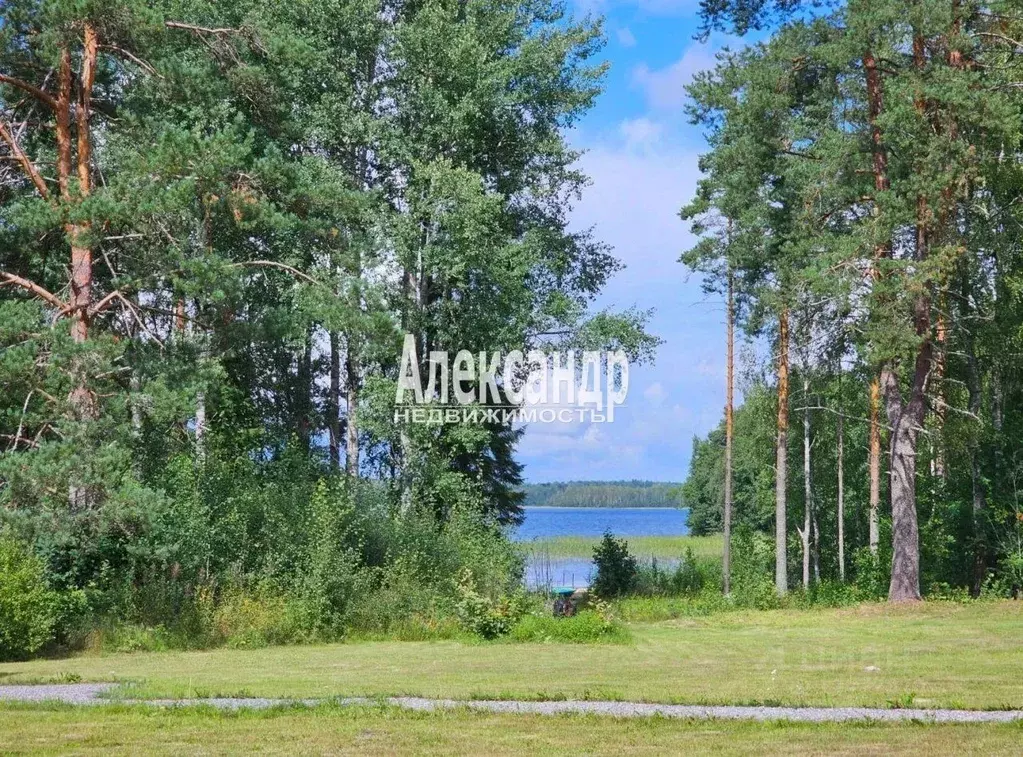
column 929, row 655
column 643, row 547
column 386, row 731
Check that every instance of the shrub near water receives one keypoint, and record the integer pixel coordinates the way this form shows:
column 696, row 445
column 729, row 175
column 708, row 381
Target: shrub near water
column 598, row 624
column 616, row 567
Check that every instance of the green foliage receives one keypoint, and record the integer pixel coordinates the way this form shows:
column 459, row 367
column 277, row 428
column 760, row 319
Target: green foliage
column 29, row 609
column 872, row 574
column 333, row 576
column 687, row 577
column 481, row 615
column 752, row 481
column 596, row 624
column 616, row 567
column 752, row 571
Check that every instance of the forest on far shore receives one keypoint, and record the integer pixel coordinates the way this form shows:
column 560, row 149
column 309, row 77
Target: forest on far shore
column 602, row 494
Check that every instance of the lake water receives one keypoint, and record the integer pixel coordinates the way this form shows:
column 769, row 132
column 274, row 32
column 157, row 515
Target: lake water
column 553, row 522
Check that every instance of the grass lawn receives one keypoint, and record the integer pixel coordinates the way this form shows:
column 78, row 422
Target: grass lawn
column 931, row 655
column 385, row 731
column 643, row 547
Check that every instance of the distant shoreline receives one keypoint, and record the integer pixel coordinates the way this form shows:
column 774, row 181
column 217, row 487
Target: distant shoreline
column 661, row 495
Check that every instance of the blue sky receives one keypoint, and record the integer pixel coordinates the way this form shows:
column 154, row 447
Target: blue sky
column 641, row 155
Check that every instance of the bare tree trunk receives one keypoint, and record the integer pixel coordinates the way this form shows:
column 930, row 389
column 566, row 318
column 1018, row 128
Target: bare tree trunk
column 334, row 403
column 804, row 533
column 305, row 388
column 875, row 465
column 727, row 516
column 135, row 405
column 840, row 432
column 781, row 457
column 905, row 423
column 973, row 385
column 200, row 427
column 875, row 103
column 352, row 369
column 938, row 382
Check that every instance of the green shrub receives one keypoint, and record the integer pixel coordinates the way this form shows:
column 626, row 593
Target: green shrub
column 944, row 592
column 616, row 568
column 872, row 574
column 29, row 609
column 597, row 624
column 262, row 618
column 752, row 571
column 686, row 578
column 482, row 616
column 826, row 593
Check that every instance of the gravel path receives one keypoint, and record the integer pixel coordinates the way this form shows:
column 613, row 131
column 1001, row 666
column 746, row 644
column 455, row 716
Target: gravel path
column 90, row 693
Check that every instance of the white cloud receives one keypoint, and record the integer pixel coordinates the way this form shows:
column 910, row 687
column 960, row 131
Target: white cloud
column 640, row 133
column 625, row 37
column 655, row 394
column 664, row 87
column 633, row 204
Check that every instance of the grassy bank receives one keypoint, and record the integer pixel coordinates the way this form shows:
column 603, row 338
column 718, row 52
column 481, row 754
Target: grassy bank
column 643, row 547
column 931, row 655
column 386, row 731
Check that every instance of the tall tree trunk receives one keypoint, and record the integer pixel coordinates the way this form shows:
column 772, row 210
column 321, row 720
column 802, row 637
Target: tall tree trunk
column 874, row 463
column 906, row 418
column 353, row 378
column 727, row 516
column 973, row 385
column 305, row 389
column 840, row 433
column 352, row 369
column 334, row 402
column 875, row 102
column 938, row 382
column 201, row 425
column 83, row 401
column 804, row 534
column 781, row 580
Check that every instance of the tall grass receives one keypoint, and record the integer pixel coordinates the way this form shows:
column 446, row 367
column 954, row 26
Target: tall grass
column 643, row 547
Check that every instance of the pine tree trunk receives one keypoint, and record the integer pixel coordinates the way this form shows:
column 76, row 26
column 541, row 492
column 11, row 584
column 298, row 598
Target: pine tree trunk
column 874, row 463
column 906, row 418
column 781, row 458
column 973, row 385
column 904, row 422
column 840, row 432
column 807, row 486
column 82, row 400
column 883, row 250
column 938, row 381
column 727, row 515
